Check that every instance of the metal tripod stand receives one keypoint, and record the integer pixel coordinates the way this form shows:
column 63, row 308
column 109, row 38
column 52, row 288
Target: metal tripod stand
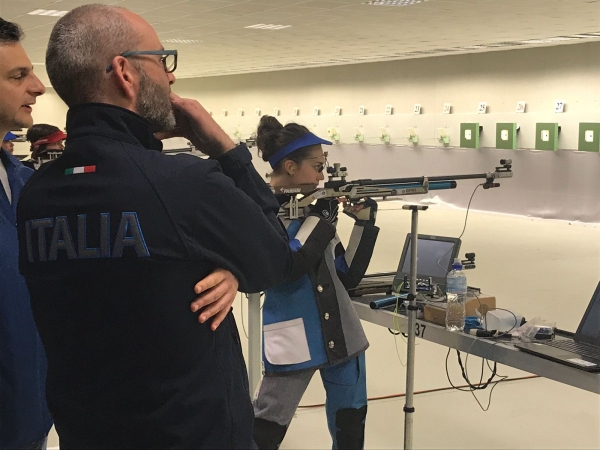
column 411, row 311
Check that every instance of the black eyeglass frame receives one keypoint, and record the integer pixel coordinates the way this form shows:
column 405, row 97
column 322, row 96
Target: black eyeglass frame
column 163, row 53
column 322, row 165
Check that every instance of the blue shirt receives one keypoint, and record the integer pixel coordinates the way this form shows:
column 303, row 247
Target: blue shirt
column 24, row 416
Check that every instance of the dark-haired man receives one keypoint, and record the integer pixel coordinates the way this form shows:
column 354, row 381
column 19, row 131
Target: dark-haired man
column 46, row 144
column 24, row 417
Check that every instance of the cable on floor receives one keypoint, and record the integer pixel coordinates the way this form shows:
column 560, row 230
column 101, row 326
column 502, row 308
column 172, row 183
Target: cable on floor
column 426, row 391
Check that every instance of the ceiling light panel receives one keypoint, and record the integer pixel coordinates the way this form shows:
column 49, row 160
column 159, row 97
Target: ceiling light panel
column 182, row 41
column 394, row 2
column 264, row 26
column 549, row 40
column 47, row 12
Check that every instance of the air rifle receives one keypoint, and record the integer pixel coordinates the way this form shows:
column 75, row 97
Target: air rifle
column 302, row 196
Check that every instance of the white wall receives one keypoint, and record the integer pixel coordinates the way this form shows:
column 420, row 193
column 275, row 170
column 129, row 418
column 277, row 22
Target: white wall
column 538, row 76
column 549, row 185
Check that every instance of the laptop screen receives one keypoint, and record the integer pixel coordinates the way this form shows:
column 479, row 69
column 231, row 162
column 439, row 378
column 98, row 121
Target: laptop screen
column 589, row 328
column 433, row 259
column 435, row 255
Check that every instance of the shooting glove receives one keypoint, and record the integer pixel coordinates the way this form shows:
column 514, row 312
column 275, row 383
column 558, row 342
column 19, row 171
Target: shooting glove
column 363, row 212
column 327, row 208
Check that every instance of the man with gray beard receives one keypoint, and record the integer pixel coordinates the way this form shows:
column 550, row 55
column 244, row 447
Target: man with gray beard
column 113, row 236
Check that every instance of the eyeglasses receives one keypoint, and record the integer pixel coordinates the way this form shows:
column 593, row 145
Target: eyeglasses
column 168, row 58
column 319, row 167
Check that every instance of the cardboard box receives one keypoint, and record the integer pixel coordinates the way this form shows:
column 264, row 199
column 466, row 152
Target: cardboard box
column 436, row 313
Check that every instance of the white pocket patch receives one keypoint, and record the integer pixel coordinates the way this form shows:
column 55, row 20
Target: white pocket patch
column 286, row 343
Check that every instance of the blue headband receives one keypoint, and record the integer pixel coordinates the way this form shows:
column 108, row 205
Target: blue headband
column 305, row 140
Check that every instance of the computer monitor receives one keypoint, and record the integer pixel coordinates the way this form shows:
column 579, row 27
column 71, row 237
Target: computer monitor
column 435, row 255
column 589, row 327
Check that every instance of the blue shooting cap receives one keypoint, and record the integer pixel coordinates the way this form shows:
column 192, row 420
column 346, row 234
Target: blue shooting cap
column 10, row 137
column 306, row 140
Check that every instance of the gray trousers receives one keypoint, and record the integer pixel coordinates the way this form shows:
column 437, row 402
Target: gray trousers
column 345, row 386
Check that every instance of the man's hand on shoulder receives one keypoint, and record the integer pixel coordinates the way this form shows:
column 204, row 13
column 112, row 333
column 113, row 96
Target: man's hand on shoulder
column 193, row 122
column 216, row 294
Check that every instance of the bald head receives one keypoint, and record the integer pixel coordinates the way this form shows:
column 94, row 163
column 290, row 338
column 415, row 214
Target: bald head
column 82, row 45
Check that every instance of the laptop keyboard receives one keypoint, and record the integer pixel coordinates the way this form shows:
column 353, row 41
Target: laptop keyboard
column 576, row 347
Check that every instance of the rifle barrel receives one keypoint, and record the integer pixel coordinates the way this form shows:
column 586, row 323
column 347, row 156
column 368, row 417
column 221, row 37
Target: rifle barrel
column 419, row 179
column 433, row 186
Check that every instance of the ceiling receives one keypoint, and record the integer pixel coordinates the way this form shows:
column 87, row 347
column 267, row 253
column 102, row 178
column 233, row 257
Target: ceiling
column 329, row 32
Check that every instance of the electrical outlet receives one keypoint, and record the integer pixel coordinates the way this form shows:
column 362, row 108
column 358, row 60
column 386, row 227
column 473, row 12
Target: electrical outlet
column 295, row 111
column 559, row 106
column 240, row 112
column 417, row 109
column 316, row 111
column 389, row 110
column 257, row 111
column 447, row 108
column 482, row 108
column 521, row 107
column 276, row 112
column 337, row 111
column 361, row 110
column 210, row 112
column 224, row 112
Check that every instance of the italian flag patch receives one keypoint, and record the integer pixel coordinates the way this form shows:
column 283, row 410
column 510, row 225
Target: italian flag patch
column 83, row 169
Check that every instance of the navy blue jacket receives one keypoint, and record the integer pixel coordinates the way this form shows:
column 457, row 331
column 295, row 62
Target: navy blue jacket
column 24, row 416
column 111, row 256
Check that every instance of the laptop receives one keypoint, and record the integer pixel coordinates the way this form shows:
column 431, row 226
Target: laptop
column 582, row 350
column 435, row 257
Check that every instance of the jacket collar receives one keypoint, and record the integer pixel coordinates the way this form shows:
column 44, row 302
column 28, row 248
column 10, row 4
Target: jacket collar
column 101, row 119
column 8, row 160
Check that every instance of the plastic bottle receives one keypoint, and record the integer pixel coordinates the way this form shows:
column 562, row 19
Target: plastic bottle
column 456, row 295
